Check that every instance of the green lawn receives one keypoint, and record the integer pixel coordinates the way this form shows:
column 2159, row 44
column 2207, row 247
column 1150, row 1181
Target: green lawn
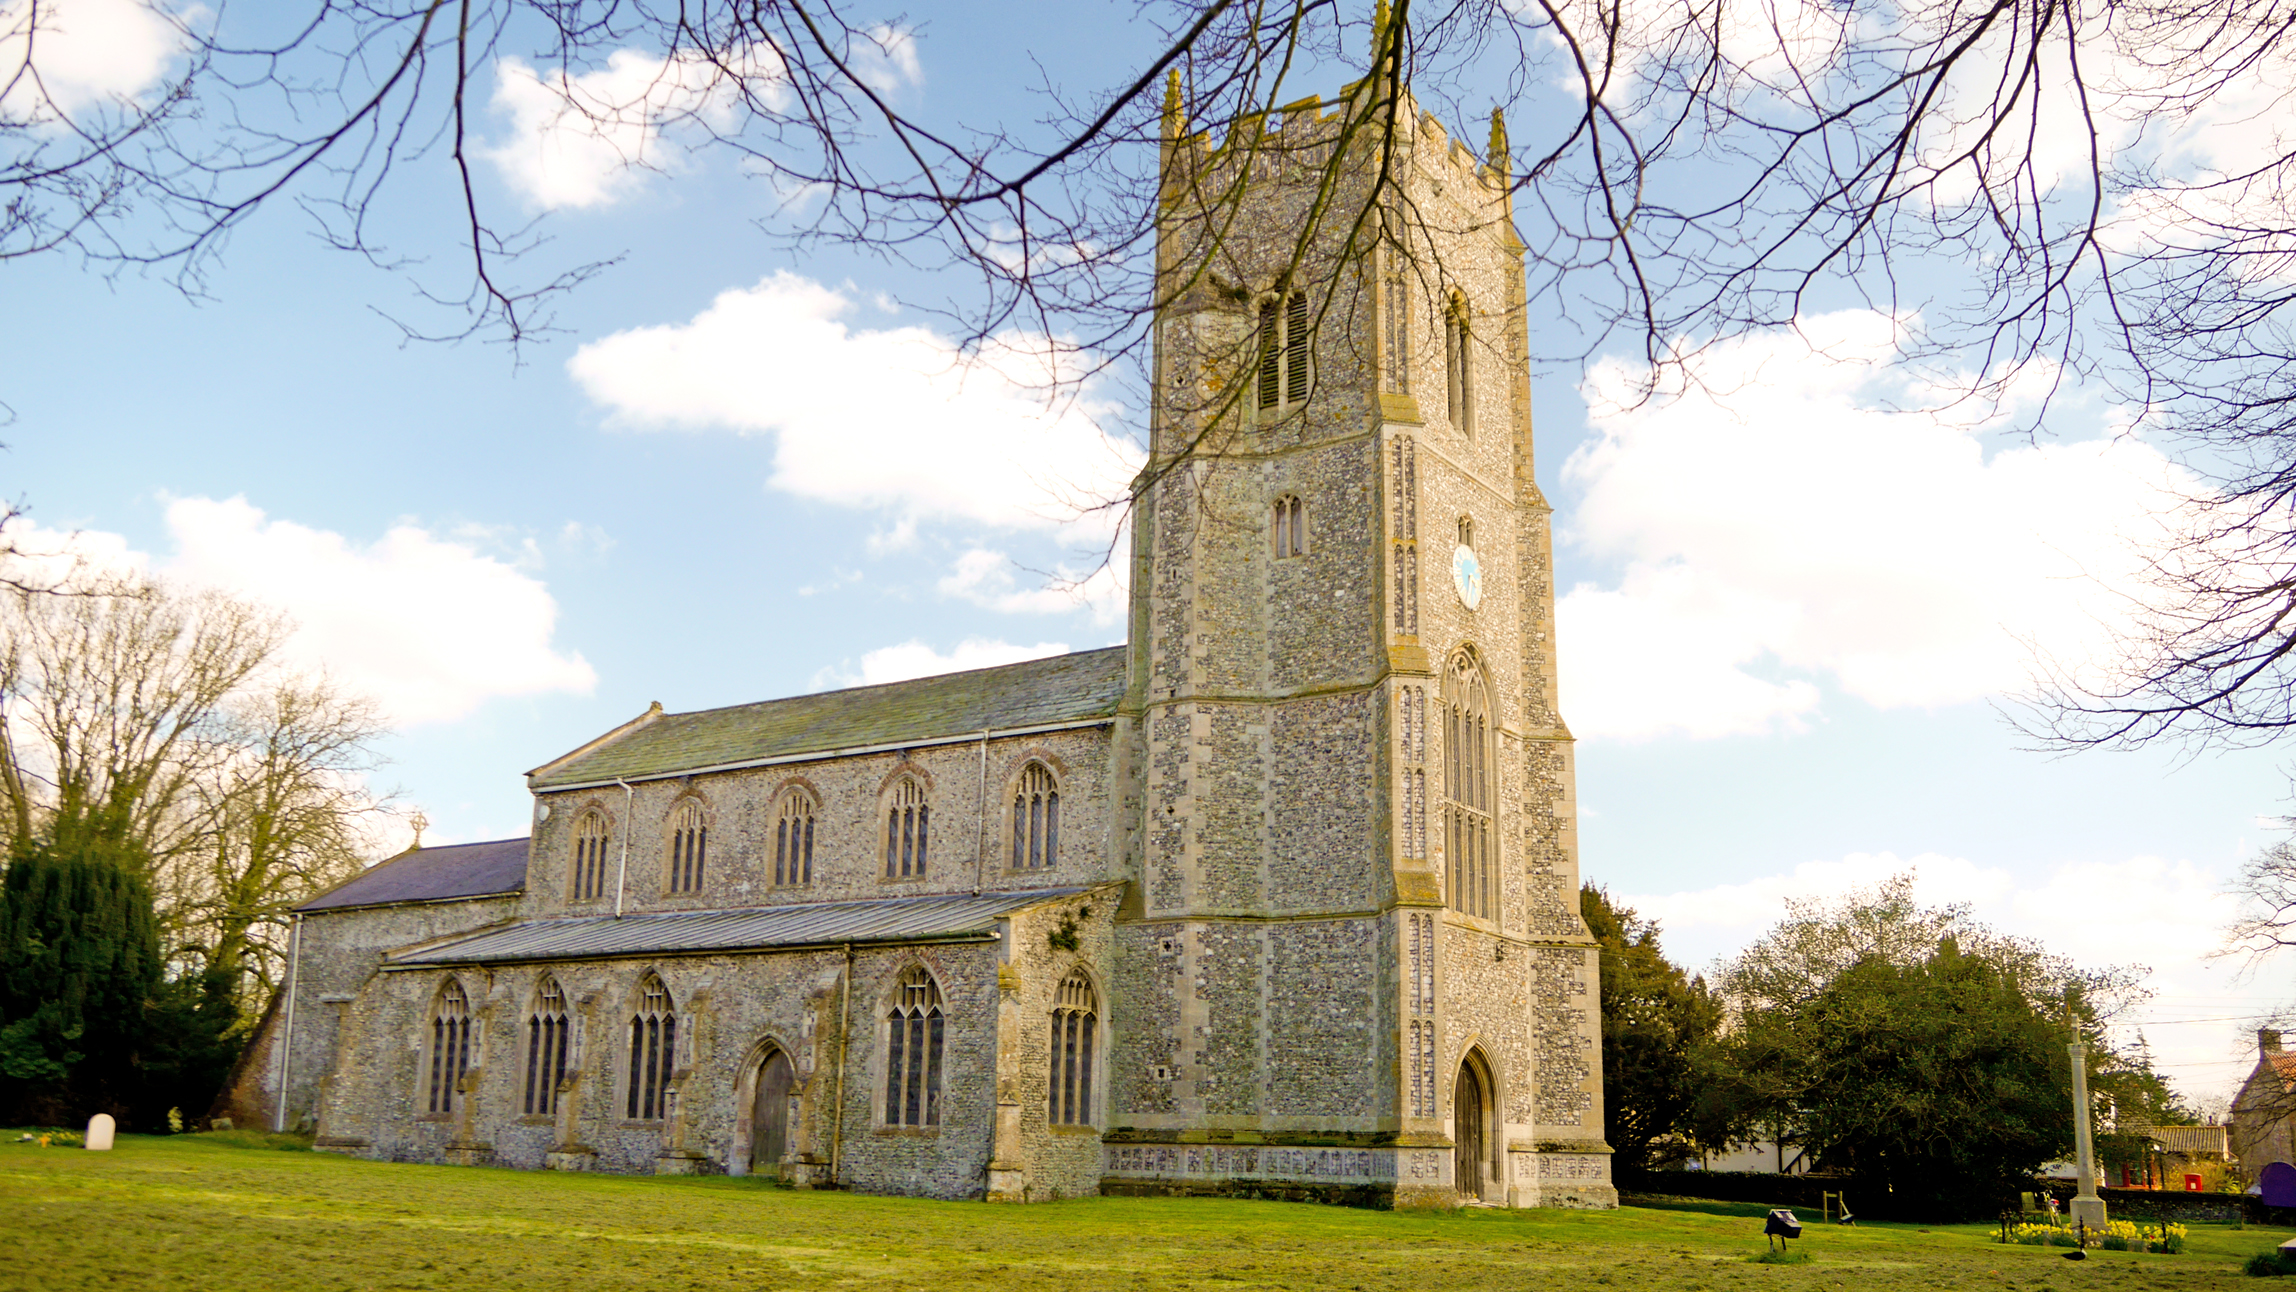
column 211, row 1211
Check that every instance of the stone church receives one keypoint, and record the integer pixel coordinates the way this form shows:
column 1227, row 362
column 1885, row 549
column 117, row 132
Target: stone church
column 1277, row 899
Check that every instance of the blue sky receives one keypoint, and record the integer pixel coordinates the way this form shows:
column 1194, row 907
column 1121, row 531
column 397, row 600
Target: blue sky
column 1791, row 615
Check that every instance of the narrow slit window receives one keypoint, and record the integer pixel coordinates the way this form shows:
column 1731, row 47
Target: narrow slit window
column 1288, row 525
column 1458, row 363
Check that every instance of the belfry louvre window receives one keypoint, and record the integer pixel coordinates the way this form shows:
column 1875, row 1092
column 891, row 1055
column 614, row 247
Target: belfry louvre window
column 689, row 848
column 907, row 821
column 589, row 877
column 1289, row 526
column 793, row 840
column 1283, row 350
column 1468, row 837
column 1458, row 363
column 653, row 1050
column 913, row 1036
column 1073, row 1017
column 545, row 1049
column 449, row 1045
column 1036, row 819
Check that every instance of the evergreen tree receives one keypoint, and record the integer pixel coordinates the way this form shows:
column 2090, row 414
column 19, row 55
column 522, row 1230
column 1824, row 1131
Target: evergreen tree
column 1666, row 1080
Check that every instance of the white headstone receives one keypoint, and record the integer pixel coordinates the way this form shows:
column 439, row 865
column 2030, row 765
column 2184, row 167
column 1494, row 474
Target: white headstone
column 100, row 1129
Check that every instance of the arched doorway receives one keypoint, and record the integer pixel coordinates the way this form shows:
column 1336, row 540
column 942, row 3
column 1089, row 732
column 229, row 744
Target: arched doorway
column 1470, row 1099
column 769, row 1116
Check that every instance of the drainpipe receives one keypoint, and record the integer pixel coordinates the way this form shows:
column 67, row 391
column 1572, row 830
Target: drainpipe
column 629, row 823
column 287, row 1042
column 844, row 1031
column 981, row 815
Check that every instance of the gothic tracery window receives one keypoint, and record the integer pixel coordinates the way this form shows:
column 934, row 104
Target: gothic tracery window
column 449, row 1045
column 913, row 1038
column 1036, row 819
column 908, row 818
column 1469, row 840
column 689, row 847
column 1288, row 526
column 653, row 1051
column 588, row 879
column 1074, row 1015
column 793, row 840
column 1283, row 367
column 546, row 1042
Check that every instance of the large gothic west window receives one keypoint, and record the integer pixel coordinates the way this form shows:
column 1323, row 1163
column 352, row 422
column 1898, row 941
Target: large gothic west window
column 1469, row 840
column 653, row 1049
column 449, row 1045
column 914, row 1032
column 546, row 1038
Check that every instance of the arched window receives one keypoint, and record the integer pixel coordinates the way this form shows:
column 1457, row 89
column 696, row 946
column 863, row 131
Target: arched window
column 913, row 1052
column 1074, row 1013
column 1458, row 345
column 653, row 1048
column 1466, row 531
column 1288, row 526
column 590, row 835
column 1036, row 819
column 546, row 1038
column 1283, row 350
column 689, row 847
column 449, row 1044
column 1468, row 836
column 793, row 840
column 907, row 817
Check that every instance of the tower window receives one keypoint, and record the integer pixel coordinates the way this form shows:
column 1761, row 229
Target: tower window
column 1283, row 365
column 1469, row 838
column 1458, row 364
column 1466, row 531
column 1289, row 526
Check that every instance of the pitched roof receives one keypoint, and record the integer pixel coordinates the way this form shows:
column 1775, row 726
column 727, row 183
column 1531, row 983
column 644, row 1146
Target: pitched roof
column 947, row 918
column 432, row 875
column 1033, row 693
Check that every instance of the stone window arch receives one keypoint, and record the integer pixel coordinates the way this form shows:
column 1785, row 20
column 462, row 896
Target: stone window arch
column 1458, row 362
column 1470, row 838
column 1474, row 1118
column 653, row 1051
column 1036, row 818
column 908, row 824
column 915, row 1028
column 547, row 1038
column 1282, row 376
column 586, row 879
column 793, row 839
column 1287, row 526
column 449, row 1044
column 689, row 846
column 1467, row 531
column 1075, row 1019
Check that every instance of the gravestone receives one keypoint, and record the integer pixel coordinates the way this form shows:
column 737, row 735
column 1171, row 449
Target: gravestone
column 100, row 1128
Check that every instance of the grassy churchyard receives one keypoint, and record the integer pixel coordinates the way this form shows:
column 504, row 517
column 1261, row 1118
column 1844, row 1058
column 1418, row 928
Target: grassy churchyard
column 224, row 1212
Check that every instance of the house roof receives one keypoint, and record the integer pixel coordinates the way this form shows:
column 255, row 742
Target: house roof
column 1082, row 686
column 957, row 917
column 442, row 874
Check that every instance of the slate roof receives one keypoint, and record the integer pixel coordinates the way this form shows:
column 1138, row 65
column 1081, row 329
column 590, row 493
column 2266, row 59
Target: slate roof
column 1038, row 692
column 432, row 875
column 947, row 918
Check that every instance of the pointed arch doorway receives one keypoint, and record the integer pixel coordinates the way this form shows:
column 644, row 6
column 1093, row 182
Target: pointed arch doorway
column 1470, row 1105
column 769, row 1115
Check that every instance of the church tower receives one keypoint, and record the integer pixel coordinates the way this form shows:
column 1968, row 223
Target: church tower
column 1351, row 965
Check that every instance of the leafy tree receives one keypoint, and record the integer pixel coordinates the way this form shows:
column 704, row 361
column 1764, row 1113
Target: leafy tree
column 1665, row 1077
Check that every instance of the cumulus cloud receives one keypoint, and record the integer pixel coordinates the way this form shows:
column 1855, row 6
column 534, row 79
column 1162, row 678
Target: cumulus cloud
column 992, row 580
column 2165, row 915
column 894, row 419
column 428, row 626
column 916, row 659
column 589, row 139
column 1780, row 526
column 90, row 53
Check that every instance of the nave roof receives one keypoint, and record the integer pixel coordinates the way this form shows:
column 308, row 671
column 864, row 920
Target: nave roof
column 448, row 873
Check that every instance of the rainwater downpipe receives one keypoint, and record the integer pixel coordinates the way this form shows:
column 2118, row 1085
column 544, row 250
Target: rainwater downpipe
column 844, row 1030
column 981, row 815
column 287, row 1041
column 629, row 822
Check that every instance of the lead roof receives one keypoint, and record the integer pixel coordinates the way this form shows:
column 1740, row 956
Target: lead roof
column 442, row 874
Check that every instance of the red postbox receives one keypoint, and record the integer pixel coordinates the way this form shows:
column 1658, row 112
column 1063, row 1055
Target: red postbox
column 2191, row 1183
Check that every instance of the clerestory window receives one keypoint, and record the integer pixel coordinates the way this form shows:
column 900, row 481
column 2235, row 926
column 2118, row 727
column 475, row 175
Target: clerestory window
column 689, row 847
column 1036, row 819
column 587, row 880
column 908, row 822
column 793, row 840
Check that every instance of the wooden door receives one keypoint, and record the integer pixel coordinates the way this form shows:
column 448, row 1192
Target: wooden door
column 769, row 1117
column 1467, row 1131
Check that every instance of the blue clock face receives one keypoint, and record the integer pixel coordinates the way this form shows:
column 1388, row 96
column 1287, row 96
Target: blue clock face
column 1467, row 576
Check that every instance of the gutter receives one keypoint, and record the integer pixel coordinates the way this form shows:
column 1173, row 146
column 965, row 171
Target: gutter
column 823, row 755
column 657, row 953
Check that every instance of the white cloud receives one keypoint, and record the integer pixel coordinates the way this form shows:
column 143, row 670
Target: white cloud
column 896, row 420
column 988, row 579
column 89, row 53
column 1779, row 526
column 887, row 59
column 589, row 139
column 427, row 626
column 2168, row 916
column 916, row 659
